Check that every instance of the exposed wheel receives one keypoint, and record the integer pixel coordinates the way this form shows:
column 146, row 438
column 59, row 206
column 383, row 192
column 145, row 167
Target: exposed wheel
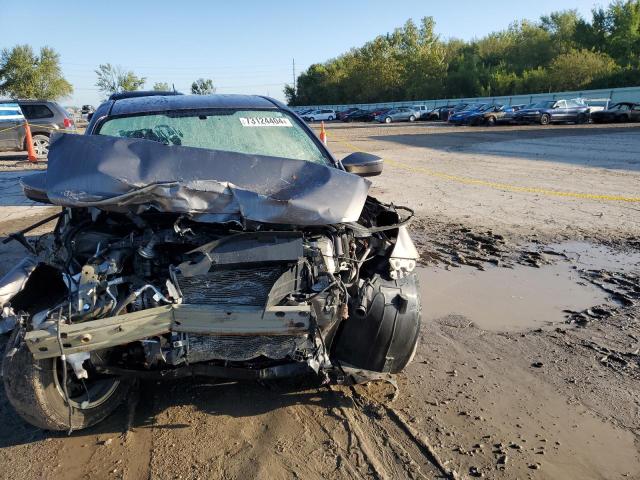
column 545, row 119
column 387, row 120
column 35, row 390
column 330, row 118
column 412, row 118
column 41, row 145
column 383, row 336
column 491, row 121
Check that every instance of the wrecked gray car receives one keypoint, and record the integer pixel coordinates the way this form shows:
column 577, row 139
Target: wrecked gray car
column 202, row 235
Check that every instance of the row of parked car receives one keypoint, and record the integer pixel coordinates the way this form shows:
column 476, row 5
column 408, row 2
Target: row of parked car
column 544, row 113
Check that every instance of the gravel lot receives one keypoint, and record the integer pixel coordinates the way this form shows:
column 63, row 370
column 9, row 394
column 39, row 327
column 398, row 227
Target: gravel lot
column 528, row 365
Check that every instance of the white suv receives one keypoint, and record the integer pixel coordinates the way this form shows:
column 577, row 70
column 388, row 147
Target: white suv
column 323, row 114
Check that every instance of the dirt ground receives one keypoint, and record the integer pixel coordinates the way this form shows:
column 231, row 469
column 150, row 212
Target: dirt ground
column 529, row 358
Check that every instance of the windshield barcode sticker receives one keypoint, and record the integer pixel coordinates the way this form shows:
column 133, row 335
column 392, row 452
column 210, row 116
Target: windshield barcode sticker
column 265, row 122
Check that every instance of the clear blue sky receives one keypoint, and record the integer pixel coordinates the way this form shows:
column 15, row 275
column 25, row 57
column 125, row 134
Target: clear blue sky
column 244, row 46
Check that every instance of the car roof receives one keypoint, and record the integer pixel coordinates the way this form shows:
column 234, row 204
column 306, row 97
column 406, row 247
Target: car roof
column 156, row 103
column 27, row 101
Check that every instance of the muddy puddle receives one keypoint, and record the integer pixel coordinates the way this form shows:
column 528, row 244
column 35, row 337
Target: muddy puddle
column 598, row 257
column 506, row 299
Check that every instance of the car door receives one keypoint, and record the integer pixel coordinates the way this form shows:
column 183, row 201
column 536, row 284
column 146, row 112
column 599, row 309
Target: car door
column 11, row 120
column 559, row 111
column 574, row 109
column 635, row 112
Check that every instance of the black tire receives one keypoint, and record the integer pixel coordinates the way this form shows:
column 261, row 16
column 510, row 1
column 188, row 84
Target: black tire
column 545, row 119
column 384, row 338
column 582, row 118
column 330, row 118
column 35, row 394
column 388, row 120
column 412, row 118
column 491, row 121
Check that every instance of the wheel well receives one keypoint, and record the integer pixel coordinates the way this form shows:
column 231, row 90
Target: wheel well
column 44, row 134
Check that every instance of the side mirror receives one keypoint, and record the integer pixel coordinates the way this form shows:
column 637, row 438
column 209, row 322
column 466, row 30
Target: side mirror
column 363, row 164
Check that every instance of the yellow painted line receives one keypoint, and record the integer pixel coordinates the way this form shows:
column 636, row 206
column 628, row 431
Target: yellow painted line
column 498, row 185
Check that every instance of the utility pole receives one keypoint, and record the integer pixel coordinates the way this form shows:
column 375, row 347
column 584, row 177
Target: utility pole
column 293, row 65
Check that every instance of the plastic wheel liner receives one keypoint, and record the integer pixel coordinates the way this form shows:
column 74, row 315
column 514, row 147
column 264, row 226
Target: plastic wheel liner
column 134, row 175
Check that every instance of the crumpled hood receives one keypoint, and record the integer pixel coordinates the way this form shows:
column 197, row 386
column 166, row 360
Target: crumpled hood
column 135, row 175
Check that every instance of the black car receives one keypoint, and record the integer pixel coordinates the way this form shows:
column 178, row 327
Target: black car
column 343, row 113
column 359, row 116
column 551, row 111
column 620, row 112
column 203, row 235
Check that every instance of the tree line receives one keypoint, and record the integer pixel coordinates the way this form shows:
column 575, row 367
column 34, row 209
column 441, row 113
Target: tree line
column 562, row 51
column 26, row 74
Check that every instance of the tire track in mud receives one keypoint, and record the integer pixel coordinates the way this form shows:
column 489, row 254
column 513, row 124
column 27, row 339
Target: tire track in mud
column 391, row 447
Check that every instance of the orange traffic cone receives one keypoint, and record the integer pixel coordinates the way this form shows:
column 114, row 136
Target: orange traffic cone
column 323, row 134
column 31, row 153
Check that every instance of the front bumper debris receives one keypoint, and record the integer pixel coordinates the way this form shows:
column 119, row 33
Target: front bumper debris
column 185, row 318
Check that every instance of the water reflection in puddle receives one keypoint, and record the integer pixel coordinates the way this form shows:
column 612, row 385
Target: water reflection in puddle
column 504, row 299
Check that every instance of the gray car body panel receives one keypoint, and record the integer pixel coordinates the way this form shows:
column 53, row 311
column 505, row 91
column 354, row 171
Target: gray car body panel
column 134, row 175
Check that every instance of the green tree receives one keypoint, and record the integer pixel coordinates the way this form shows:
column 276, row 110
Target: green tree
column 113, row 79
column 561, row 27
column 161, row 87
column 23, row 74
column 561, row 51
column 579, row 69
column 290, row 95
column 203, row 86
column 623, row 27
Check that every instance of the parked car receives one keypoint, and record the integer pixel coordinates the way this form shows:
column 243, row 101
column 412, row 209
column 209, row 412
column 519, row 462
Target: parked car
column 620, row 112
column 342, row 114
column 497, row 114
column 440, row 113
column 400, row 114
column 594, row 104
column 431, row 115
column 245, row 263
column 379, row 111
column 359, row 116
column 317, row 115
column 550, row 111
column 420, row 110
column 44, row 117
column 446, row 112
column 463, row 116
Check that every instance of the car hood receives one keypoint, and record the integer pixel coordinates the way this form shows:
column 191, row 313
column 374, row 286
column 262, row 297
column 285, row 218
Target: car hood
column 464, row 114
column 135, row 175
